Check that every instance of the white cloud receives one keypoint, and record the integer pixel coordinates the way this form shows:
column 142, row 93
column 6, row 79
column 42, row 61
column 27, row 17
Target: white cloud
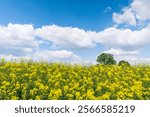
column 46, row 55
column 141, row 9
column 67, row 37
column 137, row 11
column 59, row 55
column 21, row 41
column 17, row 39
column 75, row 38
column 11, row 57
column 126, row 17
column 125, row 43
column 131, row 56
column 125, row 39
column 119, row 52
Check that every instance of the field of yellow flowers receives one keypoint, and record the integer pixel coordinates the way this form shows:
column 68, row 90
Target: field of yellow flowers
column 49, row 81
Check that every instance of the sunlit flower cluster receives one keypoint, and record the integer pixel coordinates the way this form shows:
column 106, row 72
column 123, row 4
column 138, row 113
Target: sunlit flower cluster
column 53, row 81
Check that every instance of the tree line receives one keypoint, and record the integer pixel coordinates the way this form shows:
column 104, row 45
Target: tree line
column 108, row 59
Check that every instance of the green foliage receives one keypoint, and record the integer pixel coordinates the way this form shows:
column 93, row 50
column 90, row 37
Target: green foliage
column 122, row 62
column 2, row 61
column 106, row 59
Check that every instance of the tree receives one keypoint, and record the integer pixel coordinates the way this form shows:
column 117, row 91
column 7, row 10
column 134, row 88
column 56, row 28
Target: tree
column 106, row 59
column 123, row 62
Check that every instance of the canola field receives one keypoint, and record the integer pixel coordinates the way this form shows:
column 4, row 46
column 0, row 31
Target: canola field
column 53, row 81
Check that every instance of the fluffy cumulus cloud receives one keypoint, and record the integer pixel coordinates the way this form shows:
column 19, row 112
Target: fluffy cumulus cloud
column 119, row 52
column 67, row 37
column 46, row 55
column 125, row 44
column 59, row 55
column 126, row 17
column 130, row 56
column 125, row 39
column 17, row 39
column 137, row 11
column 23, row 41
column 20, row 41
column 141, row 9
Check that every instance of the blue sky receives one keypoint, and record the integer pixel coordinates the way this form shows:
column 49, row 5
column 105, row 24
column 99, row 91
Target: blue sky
column 85, row 14
column 78, row 30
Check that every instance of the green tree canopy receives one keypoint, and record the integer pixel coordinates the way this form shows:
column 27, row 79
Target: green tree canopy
column 123, row 62
column 106, row 59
